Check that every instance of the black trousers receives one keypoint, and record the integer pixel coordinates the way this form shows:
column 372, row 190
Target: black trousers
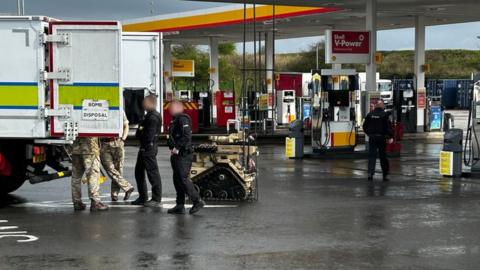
column 377, row 145
column 148, row 163
column 181, row 165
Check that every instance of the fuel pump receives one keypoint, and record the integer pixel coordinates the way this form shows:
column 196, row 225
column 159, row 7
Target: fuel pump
column 183, row 95
column 405, row 105
column 183, row 92
column 226, row 107
column 333, row 114
column 286, row 108
column 305, row 109
column 472, row 144
column 434, row 115
column 258, row 107
column 203, row 97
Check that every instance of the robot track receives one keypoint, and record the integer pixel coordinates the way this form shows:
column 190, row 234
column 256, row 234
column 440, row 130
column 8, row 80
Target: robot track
column 221, row 183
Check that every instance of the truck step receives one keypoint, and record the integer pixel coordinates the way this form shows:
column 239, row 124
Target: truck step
column 49, row 177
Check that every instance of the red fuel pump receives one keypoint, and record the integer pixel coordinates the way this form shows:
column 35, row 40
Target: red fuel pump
column 395, row 147
column 225, row 102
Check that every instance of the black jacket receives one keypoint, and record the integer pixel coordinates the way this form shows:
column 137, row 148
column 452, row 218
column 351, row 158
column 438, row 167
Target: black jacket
column 377, row 123
column 180, row 134
column 148, row 130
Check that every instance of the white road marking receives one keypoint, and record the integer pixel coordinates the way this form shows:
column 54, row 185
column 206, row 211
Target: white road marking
column 24, row 237
column 167, row 202
column 28, row 238
column 8, row 228
column 114, row 205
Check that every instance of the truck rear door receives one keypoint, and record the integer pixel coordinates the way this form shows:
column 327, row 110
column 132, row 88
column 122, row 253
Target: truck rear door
column 141, row 69
column 22, row 94
column 85, row 78
column 140, row 61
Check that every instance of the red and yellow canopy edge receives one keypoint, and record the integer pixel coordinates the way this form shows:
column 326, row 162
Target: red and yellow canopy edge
column 223, row 18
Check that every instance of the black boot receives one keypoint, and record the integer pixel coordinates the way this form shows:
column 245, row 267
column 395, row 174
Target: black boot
column 197, row 206
column 153, row 204
column 370, row 177
column 177, row 210
column 139, row 201
column 385, row 177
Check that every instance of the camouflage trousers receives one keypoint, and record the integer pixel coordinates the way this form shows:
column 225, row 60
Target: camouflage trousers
column 85, row 167
column 112, row 161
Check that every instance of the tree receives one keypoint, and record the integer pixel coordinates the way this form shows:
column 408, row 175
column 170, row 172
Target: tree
column 227, row 49
column 397, row 64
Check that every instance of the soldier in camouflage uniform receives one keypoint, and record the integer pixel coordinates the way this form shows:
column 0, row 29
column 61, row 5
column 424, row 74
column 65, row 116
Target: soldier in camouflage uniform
column 86, row 165
column 112, row 156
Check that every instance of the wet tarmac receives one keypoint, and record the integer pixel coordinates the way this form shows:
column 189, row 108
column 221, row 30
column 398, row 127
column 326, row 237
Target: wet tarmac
column 311, row 214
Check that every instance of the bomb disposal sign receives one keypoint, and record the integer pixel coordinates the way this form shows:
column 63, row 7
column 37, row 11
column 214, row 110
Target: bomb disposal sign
column 94, row 110
column 347, row 47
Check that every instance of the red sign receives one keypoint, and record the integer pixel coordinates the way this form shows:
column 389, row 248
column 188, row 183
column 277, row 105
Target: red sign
column 350, row 42
column 421, row 100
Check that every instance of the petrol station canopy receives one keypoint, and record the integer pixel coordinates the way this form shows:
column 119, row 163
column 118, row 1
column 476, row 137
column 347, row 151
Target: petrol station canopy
column 301, row 18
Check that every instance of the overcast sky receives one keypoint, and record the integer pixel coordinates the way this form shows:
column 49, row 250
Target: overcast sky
column 438, row 37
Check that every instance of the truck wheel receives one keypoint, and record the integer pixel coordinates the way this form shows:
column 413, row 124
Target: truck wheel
column 10, row 184
column 14, row 153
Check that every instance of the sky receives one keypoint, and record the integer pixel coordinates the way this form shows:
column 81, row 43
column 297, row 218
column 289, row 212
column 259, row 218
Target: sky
column 437, row 37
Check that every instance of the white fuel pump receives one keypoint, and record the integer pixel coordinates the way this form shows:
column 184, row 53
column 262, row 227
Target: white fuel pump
column 472, row 143
column 286, row 107
column 333, row 119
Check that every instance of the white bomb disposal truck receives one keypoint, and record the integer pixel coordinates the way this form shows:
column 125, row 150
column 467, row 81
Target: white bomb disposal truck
column 59, row 80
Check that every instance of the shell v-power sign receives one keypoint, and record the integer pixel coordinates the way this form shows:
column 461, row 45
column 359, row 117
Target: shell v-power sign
column 347, row 47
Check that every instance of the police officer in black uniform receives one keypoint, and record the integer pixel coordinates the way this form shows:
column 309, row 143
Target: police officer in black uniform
column 179, row 142
column 147, row 132
column 378, row 128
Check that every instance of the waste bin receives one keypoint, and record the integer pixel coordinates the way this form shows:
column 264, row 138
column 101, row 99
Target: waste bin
column 451, row 154
column 294, row 143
